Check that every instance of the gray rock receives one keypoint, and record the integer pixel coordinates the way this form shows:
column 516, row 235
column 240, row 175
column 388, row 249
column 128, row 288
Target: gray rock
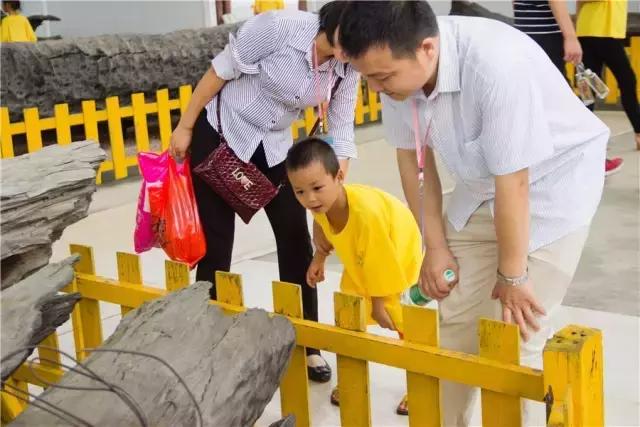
column 231, row 364
column 41, row 194
column 289, row 421
column 72, row 70
column 32, row 310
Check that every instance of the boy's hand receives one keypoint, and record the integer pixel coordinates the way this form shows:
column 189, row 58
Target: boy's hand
column 315, row 273
column 320, row 241
column 380, row 315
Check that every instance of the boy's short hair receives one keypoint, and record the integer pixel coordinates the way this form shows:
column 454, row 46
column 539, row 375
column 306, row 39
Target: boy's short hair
column 310, row 150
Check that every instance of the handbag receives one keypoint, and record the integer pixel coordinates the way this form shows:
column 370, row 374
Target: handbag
column 242, row 185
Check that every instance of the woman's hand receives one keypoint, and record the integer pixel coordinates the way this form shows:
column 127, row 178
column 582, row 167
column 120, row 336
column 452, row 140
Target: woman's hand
column 180, row 141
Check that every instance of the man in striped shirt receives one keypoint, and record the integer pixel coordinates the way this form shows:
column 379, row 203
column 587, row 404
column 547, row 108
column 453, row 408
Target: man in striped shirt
column 550, row 25
column 526, row 155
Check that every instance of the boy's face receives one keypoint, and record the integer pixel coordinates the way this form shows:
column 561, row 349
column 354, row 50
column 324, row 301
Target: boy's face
column 315, row 188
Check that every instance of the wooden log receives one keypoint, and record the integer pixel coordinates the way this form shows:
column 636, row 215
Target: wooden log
column 32, row 310
column 41, row 194
column 231, row 364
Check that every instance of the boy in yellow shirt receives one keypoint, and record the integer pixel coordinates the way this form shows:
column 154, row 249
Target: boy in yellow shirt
column 15, row 27
column 374, row 234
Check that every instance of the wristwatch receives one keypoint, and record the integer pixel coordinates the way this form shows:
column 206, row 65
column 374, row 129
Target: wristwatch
column 514, row 281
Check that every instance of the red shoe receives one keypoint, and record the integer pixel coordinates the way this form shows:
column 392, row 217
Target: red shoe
column 612, row 166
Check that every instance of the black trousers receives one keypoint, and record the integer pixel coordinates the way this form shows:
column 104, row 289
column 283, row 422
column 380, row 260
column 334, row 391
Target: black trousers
column 287, row 217
column 601, row 51
column 553, row 45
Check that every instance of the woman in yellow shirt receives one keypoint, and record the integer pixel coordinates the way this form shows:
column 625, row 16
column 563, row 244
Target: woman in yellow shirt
column 602, row 28
column 15, row 27
column 374, row 234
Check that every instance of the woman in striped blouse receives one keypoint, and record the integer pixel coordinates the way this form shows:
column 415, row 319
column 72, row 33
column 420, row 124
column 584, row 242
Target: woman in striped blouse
column 278, row 63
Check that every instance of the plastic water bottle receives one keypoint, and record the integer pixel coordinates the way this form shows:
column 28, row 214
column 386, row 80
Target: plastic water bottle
column 414, row 295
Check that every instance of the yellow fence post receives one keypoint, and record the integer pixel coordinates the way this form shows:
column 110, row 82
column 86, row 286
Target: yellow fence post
column 33, row 129
column 5, row 133
column 50, row 356
column 63, row 126
column 176, row 275
column 164, row 117
column 184, row 95
column 500, row 341
column 573, row 367
column 294, row 386
column 12, row 406
column 634, row 53
column 87, row 325
column 140, row 121
column 353, row 374
column 229, row 288
column 359, row 115
column 114, row 120
column 129, row 272
column 374, row 105
column 90, row 120
column 421, row 327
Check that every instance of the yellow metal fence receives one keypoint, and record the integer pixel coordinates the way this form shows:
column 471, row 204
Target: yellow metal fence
column 120, row 159
column 571, row 383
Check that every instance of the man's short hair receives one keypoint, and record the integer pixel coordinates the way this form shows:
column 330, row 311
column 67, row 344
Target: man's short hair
column 329, row 16
column 400, row 25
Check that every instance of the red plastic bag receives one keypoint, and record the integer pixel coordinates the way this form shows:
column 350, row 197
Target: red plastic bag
column 183, row 239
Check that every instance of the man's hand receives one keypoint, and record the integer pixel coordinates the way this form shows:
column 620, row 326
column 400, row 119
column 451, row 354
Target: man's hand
column 315, row 273
column 432, row 281
column 320, row 241
column 380, row 315
column 572, row 50
column 519, row 306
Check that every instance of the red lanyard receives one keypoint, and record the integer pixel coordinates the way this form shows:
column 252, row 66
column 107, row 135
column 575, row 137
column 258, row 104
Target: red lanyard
column 416, row 131
column 323, row 102
column 420, row 157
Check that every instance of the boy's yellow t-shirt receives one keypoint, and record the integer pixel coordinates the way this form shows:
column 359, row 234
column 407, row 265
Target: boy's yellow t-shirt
column 605, row 18
column 16, row 28
column 380, row 248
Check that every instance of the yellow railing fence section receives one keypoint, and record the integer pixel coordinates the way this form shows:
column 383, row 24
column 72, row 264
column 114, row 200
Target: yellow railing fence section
column 121, row 157
column 571, row 383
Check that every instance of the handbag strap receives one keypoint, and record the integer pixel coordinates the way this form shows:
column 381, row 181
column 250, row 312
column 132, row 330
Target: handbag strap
column 314, row 129
column 218, row 114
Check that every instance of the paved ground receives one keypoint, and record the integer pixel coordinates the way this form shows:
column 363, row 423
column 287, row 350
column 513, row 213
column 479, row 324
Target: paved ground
column 605, row 293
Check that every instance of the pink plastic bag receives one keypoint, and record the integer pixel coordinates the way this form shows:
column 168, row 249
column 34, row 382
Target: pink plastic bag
column 154, row 169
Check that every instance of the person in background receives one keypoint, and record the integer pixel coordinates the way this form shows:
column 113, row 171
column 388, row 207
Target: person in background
column 548, row 22
column 602, row 29
column 260, row 6
column 15, row 27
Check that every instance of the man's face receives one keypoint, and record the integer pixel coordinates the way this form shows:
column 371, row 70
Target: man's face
column 398, row 77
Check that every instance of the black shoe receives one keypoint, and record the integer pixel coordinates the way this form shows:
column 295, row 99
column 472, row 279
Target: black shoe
column 319, row 374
